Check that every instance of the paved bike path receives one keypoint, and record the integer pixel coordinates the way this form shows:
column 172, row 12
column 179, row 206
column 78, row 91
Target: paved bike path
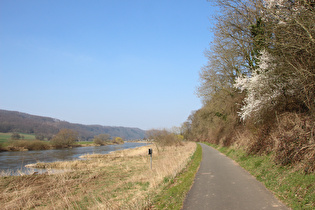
column 221, row 184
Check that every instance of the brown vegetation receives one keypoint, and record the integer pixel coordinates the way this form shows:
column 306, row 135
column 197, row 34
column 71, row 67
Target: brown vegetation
column 120, row 180
column 164, row 138
column 258, row 86
column 2, row 148
column 290, row 140
column 104, row 139
column 101, row 139
column 64, row 138
column 295, row 141
column 19, row 145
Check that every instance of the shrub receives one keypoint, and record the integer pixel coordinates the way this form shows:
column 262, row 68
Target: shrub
column 15, row 136
column 98, row 141
column 40, row 136
column 216, row 121
column 1, row 147
column 118, row 140
column 101, row 139
column 165, row 138
column 262, row 143
column 31, row 144
column 295, row 143
column 266, row 90
column 64, row 138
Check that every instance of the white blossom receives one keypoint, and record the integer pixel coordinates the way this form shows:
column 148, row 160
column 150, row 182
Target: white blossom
column 262, row 88
column 241, row 83
column 281, row 11
column 274, row 3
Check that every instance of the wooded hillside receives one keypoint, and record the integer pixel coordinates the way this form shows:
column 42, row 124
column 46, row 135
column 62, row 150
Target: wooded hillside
column 12, row 121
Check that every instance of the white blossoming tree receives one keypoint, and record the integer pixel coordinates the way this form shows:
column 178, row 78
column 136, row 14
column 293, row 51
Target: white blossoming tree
column 283, row 78
column 291, row 27
column 262, row 87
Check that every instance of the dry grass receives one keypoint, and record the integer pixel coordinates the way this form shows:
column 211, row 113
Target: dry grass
column 25, row 145
column 291, row 140
column 295, row 141
column 120, row 180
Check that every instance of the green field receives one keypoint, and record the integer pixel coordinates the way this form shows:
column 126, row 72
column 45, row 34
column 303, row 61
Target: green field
column 5, row 137
column 84, row 143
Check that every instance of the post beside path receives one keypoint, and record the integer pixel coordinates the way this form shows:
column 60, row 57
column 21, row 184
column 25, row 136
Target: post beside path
column 150, row 153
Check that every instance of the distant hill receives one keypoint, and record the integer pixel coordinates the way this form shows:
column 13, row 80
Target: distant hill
column 12, row 121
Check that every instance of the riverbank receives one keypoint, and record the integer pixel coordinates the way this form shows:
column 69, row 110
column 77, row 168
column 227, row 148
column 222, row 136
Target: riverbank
column 13, row 163
column 28, row 142
column 119, row 180
column 32, row 145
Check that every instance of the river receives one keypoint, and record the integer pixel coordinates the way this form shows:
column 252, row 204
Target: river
column 13, row 163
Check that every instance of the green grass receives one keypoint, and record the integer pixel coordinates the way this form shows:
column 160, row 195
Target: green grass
column 173, row 195
column 84, row 142
column 5, row 137
column 294, row 188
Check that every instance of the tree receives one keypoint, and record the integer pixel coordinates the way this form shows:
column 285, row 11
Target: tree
column 258, row 87
column 293, row 47
column 64, row 138
column 284, row 77
column 231, row 52
column 246, row 31
column 118, row 140
column 15, row 136
column 263, row 87
column 40, row 137
column 234, row 53
column 164, row 137
column 101, row 139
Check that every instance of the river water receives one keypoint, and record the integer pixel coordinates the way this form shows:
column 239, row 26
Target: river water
column 13, row 163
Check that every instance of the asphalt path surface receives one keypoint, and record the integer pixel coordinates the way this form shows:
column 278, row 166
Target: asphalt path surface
column 220, row 183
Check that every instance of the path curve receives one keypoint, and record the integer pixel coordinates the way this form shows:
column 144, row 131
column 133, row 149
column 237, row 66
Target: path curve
column 222, row 184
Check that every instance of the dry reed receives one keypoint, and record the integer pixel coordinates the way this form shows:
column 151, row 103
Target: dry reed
column 120, row 180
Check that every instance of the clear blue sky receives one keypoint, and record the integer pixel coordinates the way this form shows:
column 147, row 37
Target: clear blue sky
column 131, row 63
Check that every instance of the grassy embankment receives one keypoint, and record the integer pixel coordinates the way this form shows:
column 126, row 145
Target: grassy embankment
column 292, row 186
column 119, row 180
column 173, row 195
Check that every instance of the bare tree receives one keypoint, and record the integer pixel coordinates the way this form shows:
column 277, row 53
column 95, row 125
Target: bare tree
column 101, row 139
column 64, row 138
